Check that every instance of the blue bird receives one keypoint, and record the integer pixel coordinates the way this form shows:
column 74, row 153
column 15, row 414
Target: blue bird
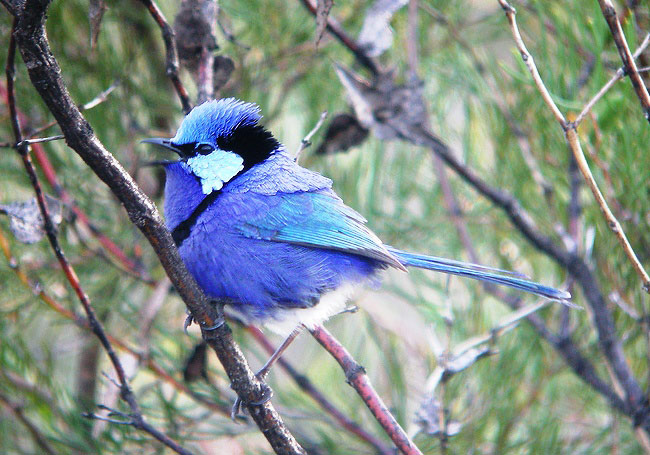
column 256, row 229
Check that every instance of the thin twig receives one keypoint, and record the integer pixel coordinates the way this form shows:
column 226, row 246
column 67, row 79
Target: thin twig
column 609, row 342
column 355, row 375
column 530, row 62
column 103, row 96
column 613, row 223
column 50, row 231
column 45, row 73
column 335, row 29
column 609, row 12
column 306, row 141
column 136, row 421
column 620, row 73
column 39, row 140
column 171, row 51
column 32, row 141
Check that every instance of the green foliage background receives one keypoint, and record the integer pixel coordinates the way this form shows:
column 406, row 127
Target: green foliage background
column 523, row 399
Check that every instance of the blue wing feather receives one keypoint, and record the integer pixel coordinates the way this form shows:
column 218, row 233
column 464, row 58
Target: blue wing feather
column 317, row 220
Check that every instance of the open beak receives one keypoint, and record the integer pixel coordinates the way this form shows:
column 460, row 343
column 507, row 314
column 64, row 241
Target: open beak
column 165, row 143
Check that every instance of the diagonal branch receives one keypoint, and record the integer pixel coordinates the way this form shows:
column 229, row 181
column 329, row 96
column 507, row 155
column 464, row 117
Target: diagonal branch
column 45, row 74
column 620, row 74
column 172, row 53
column 603, row 319
column 137, row 420
column 355, row 375
column 329, row 407
column 335, row 29
column 609, row 12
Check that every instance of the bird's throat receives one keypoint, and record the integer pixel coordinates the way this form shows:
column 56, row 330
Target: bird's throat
column 184, row 201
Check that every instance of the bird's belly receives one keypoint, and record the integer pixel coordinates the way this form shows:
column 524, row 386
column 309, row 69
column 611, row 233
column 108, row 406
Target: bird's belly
column 273, row 283
column 285, row 320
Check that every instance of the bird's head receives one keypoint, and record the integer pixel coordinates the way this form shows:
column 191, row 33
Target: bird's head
column 220, row 140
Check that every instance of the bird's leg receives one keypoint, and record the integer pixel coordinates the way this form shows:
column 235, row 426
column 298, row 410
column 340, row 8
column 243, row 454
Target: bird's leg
column 264, row 371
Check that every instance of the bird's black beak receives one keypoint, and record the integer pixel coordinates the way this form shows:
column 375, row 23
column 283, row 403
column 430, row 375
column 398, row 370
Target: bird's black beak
column 165, row 143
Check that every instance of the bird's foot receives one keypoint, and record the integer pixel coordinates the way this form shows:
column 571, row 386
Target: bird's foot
column 218, row 322
column 348, row 309
column 267, row 394
column 188, row 321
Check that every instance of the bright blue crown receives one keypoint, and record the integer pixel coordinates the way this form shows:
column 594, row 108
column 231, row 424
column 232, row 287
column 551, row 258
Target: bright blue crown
column 214, row 119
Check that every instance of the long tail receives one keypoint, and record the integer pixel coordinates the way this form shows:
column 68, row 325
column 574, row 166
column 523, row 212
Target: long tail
column 477, row 272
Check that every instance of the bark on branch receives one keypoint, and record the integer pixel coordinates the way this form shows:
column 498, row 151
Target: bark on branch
column 45, row 75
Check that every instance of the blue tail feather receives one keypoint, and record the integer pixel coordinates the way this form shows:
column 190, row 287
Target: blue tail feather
column 477, row 272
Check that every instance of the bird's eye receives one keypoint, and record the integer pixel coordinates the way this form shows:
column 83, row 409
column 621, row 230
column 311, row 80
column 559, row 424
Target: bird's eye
column 204, row 149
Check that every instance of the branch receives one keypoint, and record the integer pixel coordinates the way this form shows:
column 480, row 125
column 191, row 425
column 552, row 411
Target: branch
column 530, row 62
column 136, row 421
column 603, row 320
column 355, row 375
column 45, row 75
column 609, row 12
column 172, row 53
column 620, row 73
column 23, row 150
column 335, row 29
column 103, row 96
column 306, row 141
column 329, row 407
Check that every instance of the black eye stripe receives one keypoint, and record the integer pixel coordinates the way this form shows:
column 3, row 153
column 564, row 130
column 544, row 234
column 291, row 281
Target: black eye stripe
column 204, row 149
column 187, row 150
column 252, row 142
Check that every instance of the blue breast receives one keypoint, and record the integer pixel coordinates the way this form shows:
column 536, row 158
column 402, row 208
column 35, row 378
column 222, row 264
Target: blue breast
column 261, row 275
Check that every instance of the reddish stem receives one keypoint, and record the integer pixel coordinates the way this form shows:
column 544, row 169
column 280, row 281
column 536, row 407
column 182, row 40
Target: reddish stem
column 356, row 376
column 305, row 384
column 51, row 176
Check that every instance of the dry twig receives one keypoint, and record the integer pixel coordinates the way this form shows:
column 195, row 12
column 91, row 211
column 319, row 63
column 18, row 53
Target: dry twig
column 306, row 386
column 172, row 53
column 620, row 74
column 45, row 74
column 609, row 342
column 609, row 12
column 137, row 420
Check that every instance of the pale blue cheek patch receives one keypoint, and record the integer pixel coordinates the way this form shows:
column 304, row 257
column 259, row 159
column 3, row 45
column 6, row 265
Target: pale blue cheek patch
column 215, row 169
